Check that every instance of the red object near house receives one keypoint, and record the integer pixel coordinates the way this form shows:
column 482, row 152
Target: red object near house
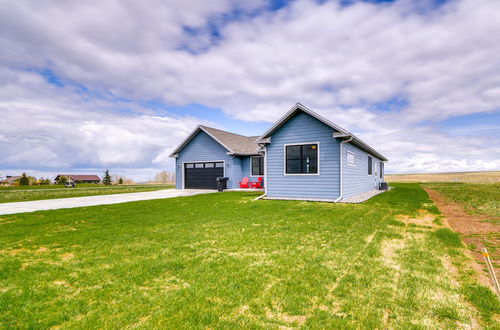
column 245, row 183
column 257, row 184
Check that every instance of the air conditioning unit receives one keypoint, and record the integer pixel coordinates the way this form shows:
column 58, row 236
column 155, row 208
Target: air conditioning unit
column 383, row 186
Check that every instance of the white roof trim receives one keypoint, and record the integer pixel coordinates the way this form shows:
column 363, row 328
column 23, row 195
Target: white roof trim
column 190, row 137
column 303, row 108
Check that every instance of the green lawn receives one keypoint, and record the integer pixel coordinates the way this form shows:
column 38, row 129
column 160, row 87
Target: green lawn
column 30, row 193
column 477, row 198
column 228, row 261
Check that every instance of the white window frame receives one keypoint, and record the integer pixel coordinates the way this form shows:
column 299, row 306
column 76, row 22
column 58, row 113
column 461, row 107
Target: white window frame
column 201, row 161
column 299, row 144
column 263, row 165
column 347, row 159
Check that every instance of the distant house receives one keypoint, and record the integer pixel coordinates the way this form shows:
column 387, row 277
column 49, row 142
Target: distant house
column 10, row 180
column 302, row 156
column 80, row 178
column 13, row 180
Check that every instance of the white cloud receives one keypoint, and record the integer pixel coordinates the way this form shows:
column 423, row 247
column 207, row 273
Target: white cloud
column 50, row 130
column 339, row 60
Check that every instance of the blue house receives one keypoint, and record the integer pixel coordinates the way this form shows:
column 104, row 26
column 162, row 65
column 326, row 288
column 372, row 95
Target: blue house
column 302, row 156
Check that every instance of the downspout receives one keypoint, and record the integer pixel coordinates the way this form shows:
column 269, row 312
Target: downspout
column 341, row 169
column 265, row 172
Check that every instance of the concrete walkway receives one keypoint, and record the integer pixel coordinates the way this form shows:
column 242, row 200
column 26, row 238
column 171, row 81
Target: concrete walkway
column 65, row 203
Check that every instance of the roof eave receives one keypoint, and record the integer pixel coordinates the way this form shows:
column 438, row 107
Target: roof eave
column 297, row 107
column 176, row 152
column 292, row 112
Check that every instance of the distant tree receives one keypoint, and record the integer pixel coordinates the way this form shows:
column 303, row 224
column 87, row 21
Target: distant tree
column 120, row 181
column 24, row 180
column 62, row 180
column 46, row 182
column 164, row 177
column 106, row 180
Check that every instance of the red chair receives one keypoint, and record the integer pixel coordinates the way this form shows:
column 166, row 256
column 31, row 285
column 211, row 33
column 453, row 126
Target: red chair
column 245, row 183
column 257, row 184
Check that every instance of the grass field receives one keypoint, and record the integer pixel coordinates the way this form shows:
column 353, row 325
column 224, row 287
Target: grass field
column 30, row 193
column 228, row 261
column 491, row 176
column 477, row 198
column 473, row 210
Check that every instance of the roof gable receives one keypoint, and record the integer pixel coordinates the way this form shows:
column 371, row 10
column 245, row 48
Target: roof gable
column 342, row 133
column 234, row 143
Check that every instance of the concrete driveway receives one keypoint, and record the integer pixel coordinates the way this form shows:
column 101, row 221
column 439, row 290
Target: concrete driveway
column 65, row 203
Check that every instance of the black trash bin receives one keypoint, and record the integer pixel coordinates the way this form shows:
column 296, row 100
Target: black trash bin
column 222, row 183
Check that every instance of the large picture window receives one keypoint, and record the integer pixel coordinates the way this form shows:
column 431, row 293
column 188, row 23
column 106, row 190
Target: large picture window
column 257, row 166
column 301, row 159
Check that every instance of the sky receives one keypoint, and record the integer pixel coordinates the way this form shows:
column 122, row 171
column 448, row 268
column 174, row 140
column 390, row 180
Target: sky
column 93, row 85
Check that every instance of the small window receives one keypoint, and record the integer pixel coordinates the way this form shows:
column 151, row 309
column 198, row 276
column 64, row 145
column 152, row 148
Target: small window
column 257, row 166
column 381, row 170
column 219, row 164
column 198, row 165
column 209, row 165
column 370, row 165
column 301, row 159
column 189, row 165
column 351, row 159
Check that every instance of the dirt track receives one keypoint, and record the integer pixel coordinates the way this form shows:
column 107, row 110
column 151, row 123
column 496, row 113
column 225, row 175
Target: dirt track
column 474, row 229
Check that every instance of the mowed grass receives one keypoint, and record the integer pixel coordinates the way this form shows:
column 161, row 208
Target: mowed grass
column 477, row 198
column 228, row 261
column 479, row 177
column 29, row 193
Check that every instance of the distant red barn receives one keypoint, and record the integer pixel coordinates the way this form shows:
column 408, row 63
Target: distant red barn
column 80, row 178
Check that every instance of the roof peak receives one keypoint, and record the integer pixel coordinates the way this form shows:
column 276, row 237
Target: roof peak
column 221, row 130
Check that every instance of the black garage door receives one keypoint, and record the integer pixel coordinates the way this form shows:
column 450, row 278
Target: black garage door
column 202, row 175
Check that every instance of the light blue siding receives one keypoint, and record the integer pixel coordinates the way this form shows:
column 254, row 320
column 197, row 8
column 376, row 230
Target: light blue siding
column 299, row 129
column 203, row 148
column 356, row 178
column 245, row 167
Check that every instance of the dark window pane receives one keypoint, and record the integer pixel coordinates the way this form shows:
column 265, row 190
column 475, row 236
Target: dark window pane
column 370, row 165
column 257, row 165
column 313, row 165
column 310, row 150
column 309, row 165
column 293, row 152
column 255, row 161
column 293, row 166
column 302, row 159
column 381, row 170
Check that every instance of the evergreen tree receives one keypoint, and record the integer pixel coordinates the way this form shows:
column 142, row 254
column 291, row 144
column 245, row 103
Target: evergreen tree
column 24, row 180
column 107, row 178
column 120, row 181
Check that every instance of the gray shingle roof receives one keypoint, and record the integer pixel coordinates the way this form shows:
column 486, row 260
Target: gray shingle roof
column 234, row 143
column 239, row 144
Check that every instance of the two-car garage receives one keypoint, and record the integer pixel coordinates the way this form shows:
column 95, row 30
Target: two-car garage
column 202, row 175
